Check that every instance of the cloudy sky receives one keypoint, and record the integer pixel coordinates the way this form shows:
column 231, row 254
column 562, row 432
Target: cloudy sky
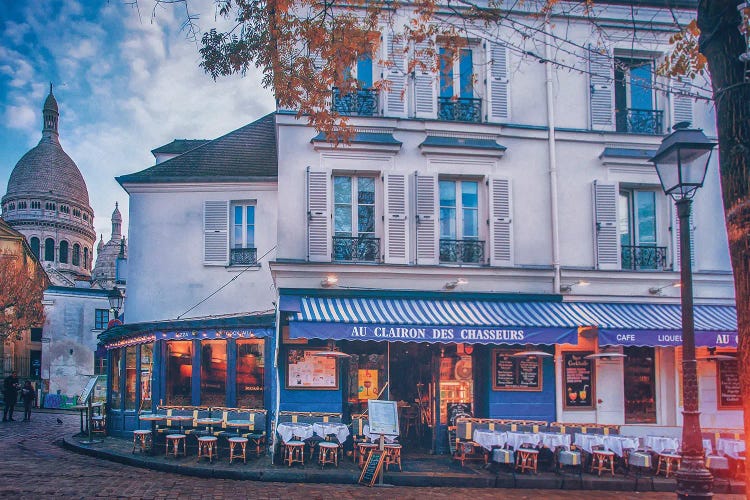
column 125, row 84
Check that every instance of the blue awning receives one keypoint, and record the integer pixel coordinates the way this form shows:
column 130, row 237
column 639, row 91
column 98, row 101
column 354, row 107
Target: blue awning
column 415, row 320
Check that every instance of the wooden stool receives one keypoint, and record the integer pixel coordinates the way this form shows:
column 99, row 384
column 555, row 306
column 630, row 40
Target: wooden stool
column 175, row 439
column 603, row 460
column 233, row 442
column 670, row 462
column 392, row 455
column 99, row 425
column 527, row 459
column 295, row 452
column 364, row 450
column 140, row 439
column 207, row 447
column 328, row 453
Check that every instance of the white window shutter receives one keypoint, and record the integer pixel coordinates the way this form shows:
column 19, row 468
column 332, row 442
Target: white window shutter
column 606, row 241
column 396, row 227
column 602, row 89
column 676, row 251
column 318, row 217
column 427, row 220
column 395, row 73
column 501, row 222
column 216, row 233
column 498, row 108
column 682, row 104
column 425, row 83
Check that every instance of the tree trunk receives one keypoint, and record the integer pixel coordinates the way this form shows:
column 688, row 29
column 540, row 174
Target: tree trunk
column 722, row 43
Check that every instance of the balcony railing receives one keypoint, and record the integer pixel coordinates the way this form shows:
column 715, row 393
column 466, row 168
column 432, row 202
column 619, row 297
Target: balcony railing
column 463, row 109
column 640, row 121
column 462, row 251
column 643, row 257
column 243, row 256
column 356, row 248
column 362, row 102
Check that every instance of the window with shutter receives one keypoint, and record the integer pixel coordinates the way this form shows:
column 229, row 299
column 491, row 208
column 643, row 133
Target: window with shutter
column 457, row 99
column 216, row 233
column 459, row 222
column 601, row 87
column 501, row 222
column 605, row 230
column 498, row 109
column 354, row 220
column 395, row 73
column 426, row 203
column 639, row 230
column 682, row 103
column 396, row 228
column 424, row 81
column 318, row 217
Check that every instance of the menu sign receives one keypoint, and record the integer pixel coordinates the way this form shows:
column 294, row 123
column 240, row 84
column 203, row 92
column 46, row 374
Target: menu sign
column 516, row 373
column 578, row 380
column 307, row 371
column 729, row 384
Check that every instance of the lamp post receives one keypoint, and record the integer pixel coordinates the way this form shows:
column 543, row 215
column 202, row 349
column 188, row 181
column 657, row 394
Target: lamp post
column 115, row 298
column 681, row 163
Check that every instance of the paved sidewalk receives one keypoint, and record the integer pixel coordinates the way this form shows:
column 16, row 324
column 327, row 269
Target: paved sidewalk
column 34, row 466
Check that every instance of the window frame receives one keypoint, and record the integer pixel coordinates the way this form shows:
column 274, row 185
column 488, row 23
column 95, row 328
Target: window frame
column 455, row 74
column 99, row 323
column 244, row 225
column 354, row 205
column 459, row 209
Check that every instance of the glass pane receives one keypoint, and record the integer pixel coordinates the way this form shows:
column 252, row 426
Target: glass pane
column 365, row 219
column 471, row 223
column 469, row 194
column 447, row 194
column 251, row 215
column 238, row 215
column 130, row 377
column 623, row 223
column 466, row 66
column 250, row 242
column 640, row 395
column 213, row 372
column 147, row 364
column 238, row 236
column 364, row 71
column 250, row 365
column 448, row 223
column 641, row 86
column 646, row 213
column 343, row 220
column 342, row 190
column 446, row 73
column 179, row 372
column 366, row 190
column 114, row 375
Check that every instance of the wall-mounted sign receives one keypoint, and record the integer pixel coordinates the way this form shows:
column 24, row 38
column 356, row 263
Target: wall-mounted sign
column 578, row 380
column 728, row 381
column 515, row 374
column 305, row 371
column 367, row 384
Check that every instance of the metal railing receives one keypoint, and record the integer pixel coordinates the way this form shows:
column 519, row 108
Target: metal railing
column 362, row 102
column 640, row 121
column 462, row 109
column 462, row 251
column 643, row 257
column 356, row 248
column 243, row 256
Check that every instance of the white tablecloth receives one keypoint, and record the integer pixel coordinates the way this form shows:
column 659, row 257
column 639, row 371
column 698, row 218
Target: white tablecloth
column 620, row 443
column 730, row 447
column 707, row 446
column 487, row 438
column 288, row 429
column 323, row 429
column 516, row 439
column 554, row 439
column 588, row 441
column 661, row 443
column 375, row 437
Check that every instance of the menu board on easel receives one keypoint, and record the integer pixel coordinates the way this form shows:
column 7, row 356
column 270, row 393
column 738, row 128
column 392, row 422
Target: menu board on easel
column 728, row 380
column 578, row 380
column 515, row 374
column 304, row 370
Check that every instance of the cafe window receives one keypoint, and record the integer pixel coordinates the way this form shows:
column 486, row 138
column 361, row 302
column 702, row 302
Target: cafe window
column 179, row 372
column 640, row 393
column 213, row 372
column 250, row 369
column 101, row 318
column 147, row 364
column 130, row 377
column 114, row 376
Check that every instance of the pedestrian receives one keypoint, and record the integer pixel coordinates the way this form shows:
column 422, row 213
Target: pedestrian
column 10, row 395
column 28, row 396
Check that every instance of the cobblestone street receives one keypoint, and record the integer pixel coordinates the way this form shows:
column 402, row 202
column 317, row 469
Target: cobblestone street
column 35, row 467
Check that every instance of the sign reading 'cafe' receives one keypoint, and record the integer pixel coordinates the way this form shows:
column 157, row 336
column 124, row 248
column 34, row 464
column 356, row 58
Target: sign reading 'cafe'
column 666, row 339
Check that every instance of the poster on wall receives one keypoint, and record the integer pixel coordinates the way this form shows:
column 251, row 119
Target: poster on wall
column 306, row 371
column 515, row 374
column 729, row 384
column 578, row 380
column 367, row 384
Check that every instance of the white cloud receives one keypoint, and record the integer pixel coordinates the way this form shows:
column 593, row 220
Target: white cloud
column 22, row 118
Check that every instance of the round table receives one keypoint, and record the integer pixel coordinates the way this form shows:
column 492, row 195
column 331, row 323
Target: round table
column 209, row 422
column 661, row 443
column 554, row 439
column 287, row 430
column 179, row 419
column 341, row 431
column 153, row 418
column 239, row 424
column 730, row 447
column 618, row 444
column 488, row 439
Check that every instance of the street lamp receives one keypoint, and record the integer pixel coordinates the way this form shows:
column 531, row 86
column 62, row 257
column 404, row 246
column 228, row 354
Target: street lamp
column 681, row 163
column 115, row 301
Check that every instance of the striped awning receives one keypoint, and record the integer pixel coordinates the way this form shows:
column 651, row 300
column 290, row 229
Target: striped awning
column 416, row 320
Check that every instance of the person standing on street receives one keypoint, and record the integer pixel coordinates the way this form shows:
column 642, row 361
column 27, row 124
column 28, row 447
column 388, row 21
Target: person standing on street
column 28, row 396
column 10, row 395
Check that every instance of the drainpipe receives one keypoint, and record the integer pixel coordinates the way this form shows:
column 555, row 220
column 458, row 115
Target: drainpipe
column 552, row 160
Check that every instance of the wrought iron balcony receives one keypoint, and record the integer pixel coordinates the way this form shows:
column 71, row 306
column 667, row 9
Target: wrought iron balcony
column 463, row 109
column 643, row 257
column 640, row 121
column 243, row 256
column 362, row 102
column 462, row 251
column 356, row 248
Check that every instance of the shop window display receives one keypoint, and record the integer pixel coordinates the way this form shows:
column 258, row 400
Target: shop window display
column 115, row 394
column 640, row 395
column 179, row 372
column 250, row 369
column 213, row 372
column 130, row 377
column 147, row 363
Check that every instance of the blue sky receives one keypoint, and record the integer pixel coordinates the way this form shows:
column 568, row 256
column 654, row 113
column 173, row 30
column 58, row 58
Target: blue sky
column 125, row 84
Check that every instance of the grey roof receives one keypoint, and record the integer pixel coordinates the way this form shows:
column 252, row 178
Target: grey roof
column 246, row 154
column 636, row 154
column 179, row 146
column 458, row 142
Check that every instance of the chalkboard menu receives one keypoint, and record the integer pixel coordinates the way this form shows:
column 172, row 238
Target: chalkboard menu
column 372, row 467
column 516, row 373
column 578, row 380
column 729, row 384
